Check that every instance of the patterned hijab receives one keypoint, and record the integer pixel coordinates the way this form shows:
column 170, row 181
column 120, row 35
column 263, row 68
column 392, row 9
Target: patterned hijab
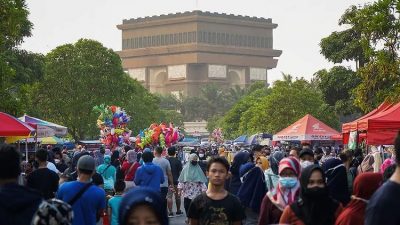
column 53, row 212
column 282, row 197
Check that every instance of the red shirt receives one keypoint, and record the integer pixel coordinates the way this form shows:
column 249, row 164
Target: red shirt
column 126, row 168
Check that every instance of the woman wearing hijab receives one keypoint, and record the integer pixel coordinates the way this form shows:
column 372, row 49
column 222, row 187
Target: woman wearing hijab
column 336, row 176
column 263, row 163
column 314, row 206
column 364, row 187
column 108, row 172
column 117, row 164
column 192, row 181
column 239, row 159
column 142, row 205
column 252, row 190
column 286, row 192
column 129, row 168
column 271, row 175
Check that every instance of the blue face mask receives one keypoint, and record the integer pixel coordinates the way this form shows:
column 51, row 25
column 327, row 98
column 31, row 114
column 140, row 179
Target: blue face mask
column 288, row 182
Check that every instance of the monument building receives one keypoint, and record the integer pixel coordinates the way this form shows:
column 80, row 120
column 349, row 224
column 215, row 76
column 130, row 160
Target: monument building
column 178, row 53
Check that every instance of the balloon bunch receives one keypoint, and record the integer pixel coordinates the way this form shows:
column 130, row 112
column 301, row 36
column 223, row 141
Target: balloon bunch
column 217, row 135
column 158, row 135
column 112, row 123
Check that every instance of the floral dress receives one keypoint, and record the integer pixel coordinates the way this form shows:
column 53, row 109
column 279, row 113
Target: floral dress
column 191, row 190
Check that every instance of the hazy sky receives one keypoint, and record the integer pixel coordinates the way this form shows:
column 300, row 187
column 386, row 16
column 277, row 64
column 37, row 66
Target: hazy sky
column 301, row 24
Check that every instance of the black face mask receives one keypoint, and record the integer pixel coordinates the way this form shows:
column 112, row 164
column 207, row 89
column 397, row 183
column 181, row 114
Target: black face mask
column 316, row 192
column 193, row 163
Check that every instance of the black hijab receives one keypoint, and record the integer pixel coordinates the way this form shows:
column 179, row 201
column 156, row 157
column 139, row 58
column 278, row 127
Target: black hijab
column 337, row 180
column 314, row 208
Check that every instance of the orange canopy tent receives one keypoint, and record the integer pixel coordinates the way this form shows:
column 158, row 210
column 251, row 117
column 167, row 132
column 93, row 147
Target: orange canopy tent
column 379, row 127
column 307, row 128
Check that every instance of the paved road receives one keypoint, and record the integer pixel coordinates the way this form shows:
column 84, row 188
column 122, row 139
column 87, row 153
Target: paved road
column 178, row 220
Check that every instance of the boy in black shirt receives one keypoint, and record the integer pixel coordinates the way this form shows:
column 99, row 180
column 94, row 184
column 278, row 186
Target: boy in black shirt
column 216, row 206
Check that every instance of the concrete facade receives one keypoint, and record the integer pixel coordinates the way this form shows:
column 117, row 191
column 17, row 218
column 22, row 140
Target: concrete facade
column 179, row 53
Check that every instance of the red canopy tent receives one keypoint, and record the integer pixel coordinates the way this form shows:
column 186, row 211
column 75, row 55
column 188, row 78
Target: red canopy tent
column 307, row 128
column 11, row 126
column 352, row 126
column 379, row 127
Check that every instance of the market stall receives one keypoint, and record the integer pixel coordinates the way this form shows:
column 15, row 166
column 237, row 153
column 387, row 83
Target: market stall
column 307, row 128
column 12, row 127
column 379, row 127
column 45, row 128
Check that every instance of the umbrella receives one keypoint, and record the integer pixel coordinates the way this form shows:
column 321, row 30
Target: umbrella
column 52, row 141
column 45, row 128
column 241, row 139
column 11, row 126
column 252, row 140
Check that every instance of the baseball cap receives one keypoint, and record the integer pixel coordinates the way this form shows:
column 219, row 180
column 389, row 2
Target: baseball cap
column 86, row 162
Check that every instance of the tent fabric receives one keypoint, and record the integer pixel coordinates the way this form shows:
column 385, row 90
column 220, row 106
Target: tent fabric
column 380, row 126
column 353, row 126
column 240, row 138
column 42, row 124
column 307, row 128
column 11, row 126
column 388, row 119
column 51, row 141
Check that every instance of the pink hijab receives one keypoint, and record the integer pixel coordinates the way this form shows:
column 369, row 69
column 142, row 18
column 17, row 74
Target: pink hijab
column 281, row 197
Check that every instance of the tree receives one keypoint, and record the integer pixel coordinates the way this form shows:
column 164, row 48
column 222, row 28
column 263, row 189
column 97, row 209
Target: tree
column 171, row 116
column 231, row 120
column 336, row 86
column 375, row 28
column 14, row 26
column 14, row 23
column 288, row 101
column 82, row 75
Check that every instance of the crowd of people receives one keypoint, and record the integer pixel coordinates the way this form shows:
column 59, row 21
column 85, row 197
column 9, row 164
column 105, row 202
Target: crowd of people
column 264, row 185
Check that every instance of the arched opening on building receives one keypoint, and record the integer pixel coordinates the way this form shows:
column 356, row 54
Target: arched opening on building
column 158, row 82
column 234, row 78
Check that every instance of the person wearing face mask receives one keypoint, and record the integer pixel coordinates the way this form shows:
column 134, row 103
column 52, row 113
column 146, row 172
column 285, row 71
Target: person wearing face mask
column 286, row 192
column 364, row 187
column 192, row 181
column 336, row 180
column 203, row 160
column 314, row 206
column 306, row 157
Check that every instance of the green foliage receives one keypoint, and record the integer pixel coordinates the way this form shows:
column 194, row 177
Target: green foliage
column 14, row 26
column 214, row 122
column 336, row 86
column 82, row 75
column 171, row 116
column 14, row 23
column 343, row 46
column 375, row 28
column 231, row 120
column 270, row 110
